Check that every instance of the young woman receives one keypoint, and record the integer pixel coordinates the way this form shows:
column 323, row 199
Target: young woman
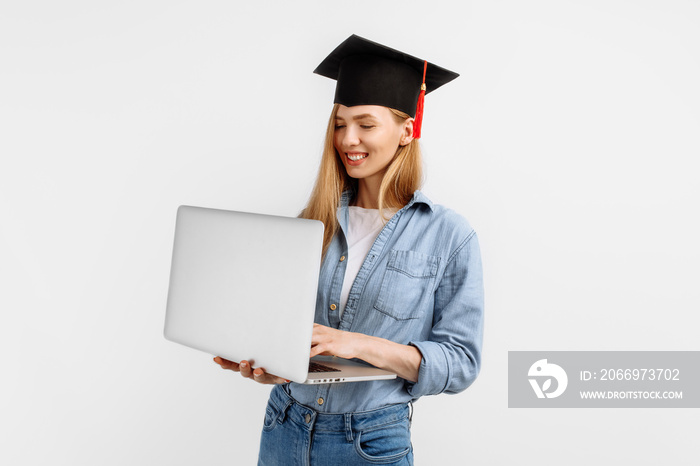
column 400, row 284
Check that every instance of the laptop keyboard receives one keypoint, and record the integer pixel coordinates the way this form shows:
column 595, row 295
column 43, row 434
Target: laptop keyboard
column 316, row 367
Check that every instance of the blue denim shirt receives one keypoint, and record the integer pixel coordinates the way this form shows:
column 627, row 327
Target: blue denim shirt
column 420, row 284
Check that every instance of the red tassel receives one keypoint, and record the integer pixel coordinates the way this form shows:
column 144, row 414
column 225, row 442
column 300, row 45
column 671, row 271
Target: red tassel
column 418, row 120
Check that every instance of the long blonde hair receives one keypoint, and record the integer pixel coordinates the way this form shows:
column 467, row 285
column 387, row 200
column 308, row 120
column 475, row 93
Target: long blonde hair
column 404, row 175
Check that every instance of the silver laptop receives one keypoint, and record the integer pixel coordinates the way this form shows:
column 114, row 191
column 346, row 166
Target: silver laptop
column 243, row 286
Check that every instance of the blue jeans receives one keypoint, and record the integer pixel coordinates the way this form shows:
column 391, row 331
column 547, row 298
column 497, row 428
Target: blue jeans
column 294, row 434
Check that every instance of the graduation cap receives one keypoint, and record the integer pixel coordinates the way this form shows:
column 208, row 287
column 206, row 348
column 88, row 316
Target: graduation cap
column 368, row 73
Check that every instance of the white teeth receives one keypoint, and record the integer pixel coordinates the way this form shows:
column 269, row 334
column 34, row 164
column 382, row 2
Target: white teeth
column 355, row 158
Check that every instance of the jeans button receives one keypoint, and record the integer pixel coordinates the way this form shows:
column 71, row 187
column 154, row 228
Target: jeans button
column 308, row 418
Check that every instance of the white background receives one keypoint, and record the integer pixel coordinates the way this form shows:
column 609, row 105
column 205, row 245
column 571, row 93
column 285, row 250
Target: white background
column 570, row 142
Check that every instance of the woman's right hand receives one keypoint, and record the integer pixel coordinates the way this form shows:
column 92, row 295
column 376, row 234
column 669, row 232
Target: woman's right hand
column 248, row 372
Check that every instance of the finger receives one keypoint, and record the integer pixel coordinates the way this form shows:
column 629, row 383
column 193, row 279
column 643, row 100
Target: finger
column 221, row 361
column 315, row 351
column 245, row 369
column 260, row 376
column 226, row 364
column 319, row 335
column 324, row 348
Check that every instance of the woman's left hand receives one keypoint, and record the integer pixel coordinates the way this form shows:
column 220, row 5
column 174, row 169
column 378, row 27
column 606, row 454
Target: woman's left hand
column 403, row 359
column 328, row 341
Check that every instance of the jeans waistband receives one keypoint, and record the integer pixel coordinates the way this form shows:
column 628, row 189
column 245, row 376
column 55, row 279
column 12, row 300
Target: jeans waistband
column 350, row 423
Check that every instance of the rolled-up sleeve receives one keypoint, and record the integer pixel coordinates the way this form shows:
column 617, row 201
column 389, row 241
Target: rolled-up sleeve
column 451, row 356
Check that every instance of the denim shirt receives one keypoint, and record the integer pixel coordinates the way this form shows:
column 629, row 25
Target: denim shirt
column 421, row 285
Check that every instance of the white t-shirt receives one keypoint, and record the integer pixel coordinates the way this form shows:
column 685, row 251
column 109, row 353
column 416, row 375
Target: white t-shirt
column 363, row 229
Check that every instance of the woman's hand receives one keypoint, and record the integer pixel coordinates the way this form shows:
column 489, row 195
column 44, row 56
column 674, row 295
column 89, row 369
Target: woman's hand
column 328, row 341
column 404, row 360
column 248, row 372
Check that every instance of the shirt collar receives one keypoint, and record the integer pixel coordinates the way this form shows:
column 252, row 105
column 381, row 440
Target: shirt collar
column 418, row 197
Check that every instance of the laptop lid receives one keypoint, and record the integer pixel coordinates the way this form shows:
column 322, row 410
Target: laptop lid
column 243, row 286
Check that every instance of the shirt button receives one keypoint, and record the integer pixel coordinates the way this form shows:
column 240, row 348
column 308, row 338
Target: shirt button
column 320, row 401
column 333, row 306
column 342, row 258
column 308, row 418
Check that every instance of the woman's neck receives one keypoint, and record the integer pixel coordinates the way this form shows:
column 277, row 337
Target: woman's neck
column 367, row 195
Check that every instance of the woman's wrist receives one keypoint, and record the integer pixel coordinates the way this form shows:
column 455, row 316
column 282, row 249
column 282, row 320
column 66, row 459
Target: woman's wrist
column 405, row 360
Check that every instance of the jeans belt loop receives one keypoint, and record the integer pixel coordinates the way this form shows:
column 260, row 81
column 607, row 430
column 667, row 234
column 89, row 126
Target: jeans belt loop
column 348, row 427
column 283, row 413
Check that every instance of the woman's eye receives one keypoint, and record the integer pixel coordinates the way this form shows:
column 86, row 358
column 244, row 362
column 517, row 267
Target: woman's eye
column 367, row 126
column 339, row 126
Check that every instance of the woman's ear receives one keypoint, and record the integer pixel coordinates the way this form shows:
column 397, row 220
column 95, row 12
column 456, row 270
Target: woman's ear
column 407, row 132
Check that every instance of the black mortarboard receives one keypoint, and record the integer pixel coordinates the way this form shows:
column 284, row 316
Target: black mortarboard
column 369, row 73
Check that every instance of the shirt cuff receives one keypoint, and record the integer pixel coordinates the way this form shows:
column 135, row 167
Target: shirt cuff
column 434, row 372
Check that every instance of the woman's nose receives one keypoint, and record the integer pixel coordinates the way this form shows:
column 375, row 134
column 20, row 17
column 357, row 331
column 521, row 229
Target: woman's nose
column 350, row 137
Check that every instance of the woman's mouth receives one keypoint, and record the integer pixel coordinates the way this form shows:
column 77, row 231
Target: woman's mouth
column 356, row 157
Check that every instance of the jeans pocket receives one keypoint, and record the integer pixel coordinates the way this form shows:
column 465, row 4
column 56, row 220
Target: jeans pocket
column 272, row 414
column 384, row 445
column 407, row 284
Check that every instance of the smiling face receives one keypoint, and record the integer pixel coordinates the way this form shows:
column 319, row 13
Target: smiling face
column 366, row 138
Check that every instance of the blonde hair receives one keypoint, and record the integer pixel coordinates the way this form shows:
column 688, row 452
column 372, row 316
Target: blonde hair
column 404, row 175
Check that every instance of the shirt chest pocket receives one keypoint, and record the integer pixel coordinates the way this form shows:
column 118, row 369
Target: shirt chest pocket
column 407, row 285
